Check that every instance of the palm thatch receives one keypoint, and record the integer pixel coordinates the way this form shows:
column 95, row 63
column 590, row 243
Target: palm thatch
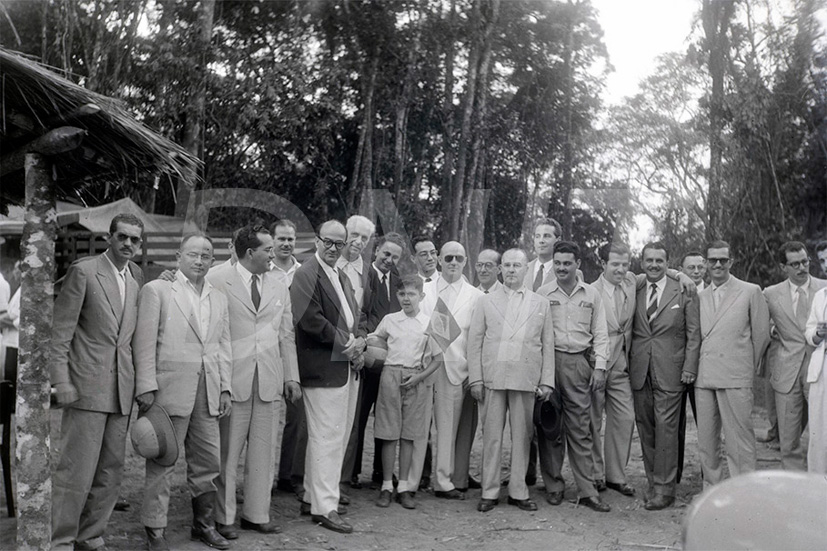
column 34, row 100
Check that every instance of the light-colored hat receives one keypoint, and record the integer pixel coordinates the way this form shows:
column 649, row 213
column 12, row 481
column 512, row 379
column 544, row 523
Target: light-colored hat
column 153, row 436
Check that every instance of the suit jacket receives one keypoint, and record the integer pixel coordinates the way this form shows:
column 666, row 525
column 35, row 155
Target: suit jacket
column 455, row 361
column 818, row 313
column 92, row 336
column 734, row 337
column 620, row 330
column 377, row 304
column 262, row 340
column 169, row 349
column 670, row 344
column 322, row 332
column 789, row 353
column 506, row 356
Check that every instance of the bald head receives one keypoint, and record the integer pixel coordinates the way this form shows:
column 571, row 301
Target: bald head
column 452, row 259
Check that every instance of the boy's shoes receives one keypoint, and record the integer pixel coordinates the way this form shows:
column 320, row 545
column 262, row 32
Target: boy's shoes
column 406, row 500
column 486, row 505
column 621, row 487
column 450, row 494
column 554, row 498
column 384, row 499
column 524, row 504
column 333, row 522
column 594, row 504
column 264, row 528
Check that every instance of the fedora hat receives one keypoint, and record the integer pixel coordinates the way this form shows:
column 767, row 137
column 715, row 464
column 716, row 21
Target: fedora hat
column 153, row 436
column 548, row 417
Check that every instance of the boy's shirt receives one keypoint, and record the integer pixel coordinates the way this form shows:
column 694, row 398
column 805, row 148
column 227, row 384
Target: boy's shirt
column 408, row 345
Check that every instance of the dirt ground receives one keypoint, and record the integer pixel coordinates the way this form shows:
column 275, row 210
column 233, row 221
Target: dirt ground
column 436, row 523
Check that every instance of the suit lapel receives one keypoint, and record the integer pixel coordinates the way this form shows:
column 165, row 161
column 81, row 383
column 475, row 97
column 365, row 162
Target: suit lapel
column 612, row 323
column 236, row 287
column 186, row 308
column 106, row 278
column 669, row 294
column 130, row 313
column 786, row 301
column 268, row 291
column 526, row 310
column 731, row 292
column 215, row 318
column 344, row 280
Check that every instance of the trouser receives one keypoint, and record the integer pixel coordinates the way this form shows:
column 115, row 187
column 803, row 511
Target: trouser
column 293, row 443
column 616, row 399
column 199, row 435
column 422, row 456
column 88, row 476
column 253, row 422
column 573, row 376
column 368, row 392
column 455, row 416
column 330, row 412
column 518, row 407
column 728, row 409
column 817, row 408
column 657, row 413
column 688, row 392
column 791, row 410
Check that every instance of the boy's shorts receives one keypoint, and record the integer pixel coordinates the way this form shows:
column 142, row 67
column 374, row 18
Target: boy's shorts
column 402, row 413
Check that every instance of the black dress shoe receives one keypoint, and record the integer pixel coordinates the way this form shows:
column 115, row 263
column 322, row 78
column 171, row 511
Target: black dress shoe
column 594, row 504
column 473, row 483
column 554, row 498
column 524, row 504
column 343, row 499
column 600, row 485
column 228, row 531
column 267, row 528
column 333, row 522
column 122, row 505
column 622, row 487
column 486, row 505
column 659, row 502
column 530, row 480
column 354, row 482
column 450, row 494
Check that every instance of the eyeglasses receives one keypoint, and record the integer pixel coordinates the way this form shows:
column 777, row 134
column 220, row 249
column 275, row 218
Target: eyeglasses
column 328, row 243
column 426, row 254
column 485, row 265
column 196, row 256
column 451, row 257
column 799, row 264
column 131, row 238
column 714, row 261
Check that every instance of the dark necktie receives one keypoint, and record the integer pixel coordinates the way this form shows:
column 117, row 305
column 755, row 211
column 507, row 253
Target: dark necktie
column 427, row 280
column 538, row 280
column 254, row 294
column 385, row 286
column 652, row 307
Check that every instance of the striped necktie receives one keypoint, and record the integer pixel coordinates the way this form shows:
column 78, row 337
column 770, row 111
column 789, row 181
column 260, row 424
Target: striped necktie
column 652, row 307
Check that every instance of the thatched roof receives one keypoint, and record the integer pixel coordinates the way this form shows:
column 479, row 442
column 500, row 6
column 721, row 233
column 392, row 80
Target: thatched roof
column 34, row 100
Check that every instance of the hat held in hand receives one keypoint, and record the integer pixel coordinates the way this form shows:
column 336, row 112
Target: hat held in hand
column 153, row 436
column 548, row 417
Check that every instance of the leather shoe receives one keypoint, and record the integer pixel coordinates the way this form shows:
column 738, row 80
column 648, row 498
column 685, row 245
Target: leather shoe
column 266, row 528
column 486, row 505
column 600, row 485
column 594, row 504
column 523, row 504
column 227, row 530
column 208, row 535
column 473, row 483
column 659, row 502
column 450, row 494
column 384, row 499
column 155, row 540
column 304, row 509
column 343, row 499
column 622, row 487
column 554, row 498
column 122, row 505
column 354, row 482
column 333, row 522
column 406, row 500
column 530, row 480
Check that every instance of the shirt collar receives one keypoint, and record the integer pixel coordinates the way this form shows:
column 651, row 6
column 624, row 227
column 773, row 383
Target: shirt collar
column 330, row 271
column 245, row 274
column 510, row 292
column 205, row 289
column 293, row 267
column 422, row 318
column 443, row 284
column 379, row 272
column 803, row 287
column 608, row 287
column 357, row 264
column 721, row 286
column 555, row 285
column 659, row 283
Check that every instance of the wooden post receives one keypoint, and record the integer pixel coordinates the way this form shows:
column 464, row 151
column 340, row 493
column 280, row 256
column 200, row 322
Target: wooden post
column 37, row 247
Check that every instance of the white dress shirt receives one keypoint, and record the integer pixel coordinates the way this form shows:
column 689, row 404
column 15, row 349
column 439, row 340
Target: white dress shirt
column 333, row 276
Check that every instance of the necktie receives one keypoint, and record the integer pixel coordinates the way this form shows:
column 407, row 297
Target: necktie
column 716, row 297
column 618, row 296
column 254, row 294
column 538, row 279
column 486, row 292
column 427, row 280
column 385, row 286
column 801, row 306
column 652, row 307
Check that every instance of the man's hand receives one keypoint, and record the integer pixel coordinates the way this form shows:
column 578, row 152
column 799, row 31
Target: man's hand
column 167, row 275
column 543, row 392
column 355, row 348
column 687, row 285
column 687, row 378
column 358, row 363
column 292, row 391
column 225, row 404
column 65, row 394
column 410, row 381
column 598, row 381
column 478, row 392
column 821, row 331
column 145, row 401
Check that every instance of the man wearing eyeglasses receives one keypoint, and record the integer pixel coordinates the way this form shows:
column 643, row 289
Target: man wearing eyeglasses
column 488, row 270
column 183, row 353
column 789, row 352
column 94, row 380
column 734, row 334
column 330, row 356
column 425, row 257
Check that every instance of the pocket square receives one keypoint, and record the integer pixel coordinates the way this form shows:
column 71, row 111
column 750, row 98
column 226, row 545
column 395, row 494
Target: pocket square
column 675, row 306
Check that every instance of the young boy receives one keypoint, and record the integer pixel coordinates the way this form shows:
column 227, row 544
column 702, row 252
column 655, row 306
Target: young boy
column 403, row 406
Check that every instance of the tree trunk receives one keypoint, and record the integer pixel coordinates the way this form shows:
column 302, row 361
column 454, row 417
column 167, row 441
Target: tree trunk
column 448, row 116
column 34, row 482
column 363, row 168
column 566, row 184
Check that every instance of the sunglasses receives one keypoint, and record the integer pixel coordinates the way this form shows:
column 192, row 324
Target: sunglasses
column 131, row 238
column 328, row 243
column 450, row 258
column 714, row 261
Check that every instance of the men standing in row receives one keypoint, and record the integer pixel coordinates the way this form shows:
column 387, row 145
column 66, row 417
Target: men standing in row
column 664, row 357
column 183, row 355
column 579, row 327
column 264, row 367
column 789, row 352
column 330, row 355
column 734, row 335
column 94, row 380
column 510, row 356
column 488, row 268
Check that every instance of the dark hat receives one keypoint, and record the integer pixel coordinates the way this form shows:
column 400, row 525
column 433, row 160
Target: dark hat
column 548, row 417
column 153, row 436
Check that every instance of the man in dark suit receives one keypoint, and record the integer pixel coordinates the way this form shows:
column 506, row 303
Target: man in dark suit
column 330, row 354
column 379, row 300
column 664, row 357
column 94, row 378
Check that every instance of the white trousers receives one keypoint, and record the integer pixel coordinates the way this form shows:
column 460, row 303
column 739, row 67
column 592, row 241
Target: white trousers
column 817, row 451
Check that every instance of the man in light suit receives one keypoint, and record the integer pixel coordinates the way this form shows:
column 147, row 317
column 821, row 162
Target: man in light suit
column 182, row 350
column 789, row 353
column 664, row 357
column 510, row 357
column 734, row 335
column 816, row 335
column 330, row 356
column 264, row 368
column 455, row 411
column 488, row 271
column 94, row 379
